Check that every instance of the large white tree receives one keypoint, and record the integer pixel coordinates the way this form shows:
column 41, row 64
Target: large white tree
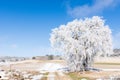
column 81, row 40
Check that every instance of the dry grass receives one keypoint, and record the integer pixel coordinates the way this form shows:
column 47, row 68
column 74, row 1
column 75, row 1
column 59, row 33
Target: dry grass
column 33, row 72
column 107, row 60
column 92, row 75
column 45, row 77
column 76, row 76
column 107, row 63
column 65, row 77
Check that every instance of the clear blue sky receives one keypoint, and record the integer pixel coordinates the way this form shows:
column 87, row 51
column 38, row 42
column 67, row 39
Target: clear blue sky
column 25, row 25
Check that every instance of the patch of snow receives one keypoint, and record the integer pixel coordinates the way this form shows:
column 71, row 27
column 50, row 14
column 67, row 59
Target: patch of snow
column 51, row 76
column 51, row 67
column 3, row 75
column 61, row 74
column 110, row 69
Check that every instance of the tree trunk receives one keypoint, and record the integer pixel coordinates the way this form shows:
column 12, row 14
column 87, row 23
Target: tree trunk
column 77, row 63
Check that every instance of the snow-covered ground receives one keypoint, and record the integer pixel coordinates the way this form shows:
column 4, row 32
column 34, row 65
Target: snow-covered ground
column 35, row 70
column 51, row 67
column 110, row 69
column 40, row 68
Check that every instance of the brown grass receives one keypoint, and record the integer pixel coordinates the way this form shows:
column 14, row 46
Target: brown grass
column 90, row 75
column 45, row 77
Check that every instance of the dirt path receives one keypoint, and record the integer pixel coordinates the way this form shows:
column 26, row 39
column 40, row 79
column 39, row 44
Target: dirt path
column 51, row 76
column 63, row 76
column 54, row 73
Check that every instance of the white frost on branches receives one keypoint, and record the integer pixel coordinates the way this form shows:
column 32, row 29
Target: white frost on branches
column 81, row 40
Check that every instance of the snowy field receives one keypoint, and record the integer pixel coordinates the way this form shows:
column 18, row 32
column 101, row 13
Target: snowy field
column 107, row 59
column 52, row 70
column 32, row 70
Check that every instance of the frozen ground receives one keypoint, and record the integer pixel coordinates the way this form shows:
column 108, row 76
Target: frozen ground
column 53, row 70
column 33, row 70
column 51, row 67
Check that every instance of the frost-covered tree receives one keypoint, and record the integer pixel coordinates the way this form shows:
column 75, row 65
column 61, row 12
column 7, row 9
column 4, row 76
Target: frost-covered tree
column 81, row 40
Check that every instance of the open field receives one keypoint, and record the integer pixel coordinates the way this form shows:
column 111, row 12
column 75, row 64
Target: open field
column 52, row 70
column 33, row 70
column 107, row 63
column 110, row 69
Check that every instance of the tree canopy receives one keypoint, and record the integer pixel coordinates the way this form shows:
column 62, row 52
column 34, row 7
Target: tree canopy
column 81, row 40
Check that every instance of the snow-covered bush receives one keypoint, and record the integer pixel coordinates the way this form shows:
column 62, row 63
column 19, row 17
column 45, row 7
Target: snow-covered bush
column 81, row 40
